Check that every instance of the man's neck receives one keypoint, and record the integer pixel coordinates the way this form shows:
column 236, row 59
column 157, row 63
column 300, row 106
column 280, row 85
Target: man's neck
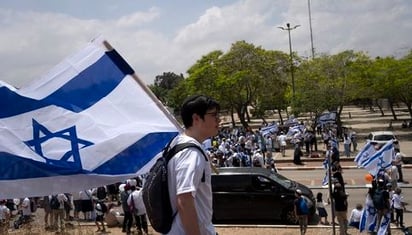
column 194, row 135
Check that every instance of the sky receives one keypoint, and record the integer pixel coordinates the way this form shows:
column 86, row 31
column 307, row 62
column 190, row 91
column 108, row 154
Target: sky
column 170, row 36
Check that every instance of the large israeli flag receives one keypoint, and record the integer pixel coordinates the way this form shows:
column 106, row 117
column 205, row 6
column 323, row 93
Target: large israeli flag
column 380, row 160
column 88, row 122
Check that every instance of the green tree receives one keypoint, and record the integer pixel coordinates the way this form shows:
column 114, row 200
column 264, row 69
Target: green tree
column 164, row 84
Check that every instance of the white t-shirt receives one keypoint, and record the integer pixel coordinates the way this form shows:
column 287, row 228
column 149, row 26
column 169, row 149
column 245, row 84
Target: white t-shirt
column 186, row 170
column 398, row 159
column 25, row 206
column 4, row 212
column 282, row 140
column 347, row 140
column 137, row 201
column 355, row 215
column 397, row 201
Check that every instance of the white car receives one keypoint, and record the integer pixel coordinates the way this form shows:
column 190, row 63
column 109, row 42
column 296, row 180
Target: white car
column 382, row 137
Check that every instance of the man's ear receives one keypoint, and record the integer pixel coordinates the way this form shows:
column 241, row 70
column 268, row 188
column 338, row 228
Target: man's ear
column 195, row 117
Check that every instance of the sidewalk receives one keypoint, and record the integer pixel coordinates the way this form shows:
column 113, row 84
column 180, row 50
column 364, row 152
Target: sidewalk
column 286, row 163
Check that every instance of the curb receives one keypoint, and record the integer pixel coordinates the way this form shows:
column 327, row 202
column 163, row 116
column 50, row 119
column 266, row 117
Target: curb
column 283, row 226
column 294, row 168
column 356, row 186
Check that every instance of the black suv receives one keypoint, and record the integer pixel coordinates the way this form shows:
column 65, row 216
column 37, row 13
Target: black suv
column 255, row 195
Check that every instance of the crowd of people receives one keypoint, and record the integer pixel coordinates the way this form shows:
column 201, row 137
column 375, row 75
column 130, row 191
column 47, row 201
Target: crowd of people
column 96, row 205
column 383, row 199
column 238, row 147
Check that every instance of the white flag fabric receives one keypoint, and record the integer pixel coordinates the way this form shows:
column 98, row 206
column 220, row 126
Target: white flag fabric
column 385, row 223
column 86, row 123
column 380, row 160
column 368, row 218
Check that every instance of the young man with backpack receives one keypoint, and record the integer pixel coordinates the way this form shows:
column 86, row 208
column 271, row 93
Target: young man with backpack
column 301, row 211
column 189, row 177
column 57, row 206
column 101, row 210
column 341, row 208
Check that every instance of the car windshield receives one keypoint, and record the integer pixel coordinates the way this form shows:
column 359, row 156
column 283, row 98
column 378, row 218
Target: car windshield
column 384, row 137
column 282, row 180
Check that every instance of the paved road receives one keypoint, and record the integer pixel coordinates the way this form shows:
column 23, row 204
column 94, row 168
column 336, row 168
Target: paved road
column 355, row 186
column 354, row 178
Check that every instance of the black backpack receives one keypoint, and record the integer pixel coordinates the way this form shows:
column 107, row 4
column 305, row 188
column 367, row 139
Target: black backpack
column 101, row 193
column 103, row 207
column 378, row 199
column 236, row 160
column 54, row 202
column 156, row 190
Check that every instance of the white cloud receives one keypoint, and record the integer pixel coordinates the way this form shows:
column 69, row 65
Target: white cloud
column 138, row 18
column 31, row 41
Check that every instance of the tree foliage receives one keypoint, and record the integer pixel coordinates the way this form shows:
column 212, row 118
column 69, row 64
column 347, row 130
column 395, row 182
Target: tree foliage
column 248, row 76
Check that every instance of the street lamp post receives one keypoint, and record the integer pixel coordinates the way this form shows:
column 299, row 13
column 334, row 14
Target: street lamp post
column 288, row 28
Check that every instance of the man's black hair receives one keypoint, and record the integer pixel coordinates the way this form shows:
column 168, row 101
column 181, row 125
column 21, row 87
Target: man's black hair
column 197, row 104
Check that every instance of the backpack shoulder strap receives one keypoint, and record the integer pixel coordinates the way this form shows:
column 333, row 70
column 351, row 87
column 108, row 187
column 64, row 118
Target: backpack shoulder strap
column 179, row 147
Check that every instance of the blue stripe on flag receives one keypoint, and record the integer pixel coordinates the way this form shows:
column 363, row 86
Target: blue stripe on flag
column 101, row 77
column 128, row 161
column 379, row 154
column 137, row 155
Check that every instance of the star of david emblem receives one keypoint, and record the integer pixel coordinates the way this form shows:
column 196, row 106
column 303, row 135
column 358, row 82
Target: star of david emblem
column 71, row 158
column 371, row 210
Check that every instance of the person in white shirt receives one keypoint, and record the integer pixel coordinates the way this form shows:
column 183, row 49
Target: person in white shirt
column 399, row 206
column 346, row 144
column 355, row 216
column 99, row 220
column 257, row 159
column 282, row 142
column 86, row 204
column 26, row 210
column 59, row 213
column 189, row 181
column 136, row 205
column 394, row 176
column 398, row 163
column 4, row 217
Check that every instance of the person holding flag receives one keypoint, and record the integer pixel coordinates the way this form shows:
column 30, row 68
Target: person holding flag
column 189, row 181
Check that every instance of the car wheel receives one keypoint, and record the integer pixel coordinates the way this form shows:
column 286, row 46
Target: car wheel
column 288, row 216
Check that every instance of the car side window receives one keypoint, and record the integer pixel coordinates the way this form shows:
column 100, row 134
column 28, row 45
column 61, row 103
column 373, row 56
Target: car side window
column 263, row 184
column 232, row 183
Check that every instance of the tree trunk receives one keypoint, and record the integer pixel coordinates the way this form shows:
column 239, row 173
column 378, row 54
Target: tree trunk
column 392, row 109
column 241, row 114
column 339, row 122
column 315, row 132
column 280, row 116
column 247, row 115
column 233, row 118
column 380, row 109
column 409, row 105
column 264, row 120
